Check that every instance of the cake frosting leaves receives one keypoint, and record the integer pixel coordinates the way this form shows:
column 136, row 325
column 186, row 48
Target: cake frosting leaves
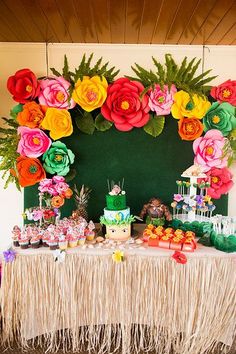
column 128, row 220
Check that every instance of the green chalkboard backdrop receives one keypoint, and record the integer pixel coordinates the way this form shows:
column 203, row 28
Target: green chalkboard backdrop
column 150, row 166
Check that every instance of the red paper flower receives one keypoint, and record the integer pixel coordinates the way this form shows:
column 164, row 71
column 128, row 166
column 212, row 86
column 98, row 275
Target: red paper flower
column 220, row 182
column 23, row 86
column 123, row 105
column 179, row 257
column 225, row 92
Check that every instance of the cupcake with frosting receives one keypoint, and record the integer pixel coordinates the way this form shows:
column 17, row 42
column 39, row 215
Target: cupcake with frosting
column 62, row 242
column 24, row 239
column 89, row 231
column 16, row 232
column 35, row 238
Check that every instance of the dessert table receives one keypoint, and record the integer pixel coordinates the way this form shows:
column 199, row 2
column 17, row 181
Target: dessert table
column 147, row 302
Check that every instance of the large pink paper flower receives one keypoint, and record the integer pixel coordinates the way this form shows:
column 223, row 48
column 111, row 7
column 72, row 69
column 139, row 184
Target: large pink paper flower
column 124, row 106
column 55, row 93
column 208, row 150
column 220, row 182
column 161, row 101
column 33, row 142
column 225, row 92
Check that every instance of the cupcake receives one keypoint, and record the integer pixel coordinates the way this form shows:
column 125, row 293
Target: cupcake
column 81, row 240
column 16, row 232
column 63, row 242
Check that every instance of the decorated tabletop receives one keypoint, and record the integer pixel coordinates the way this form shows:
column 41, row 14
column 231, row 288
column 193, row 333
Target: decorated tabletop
column 88, row 300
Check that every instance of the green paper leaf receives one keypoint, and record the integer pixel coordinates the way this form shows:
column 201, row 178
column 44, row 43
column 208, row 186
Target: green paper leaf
column 155, row 125
column 15, row 110
column 71, row 175
column 85, row 123
column 102, row 124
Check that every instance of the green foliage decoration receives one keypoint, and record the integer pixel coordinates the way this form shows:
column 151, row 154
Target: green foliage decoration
column 183, row 76
column 8, row 150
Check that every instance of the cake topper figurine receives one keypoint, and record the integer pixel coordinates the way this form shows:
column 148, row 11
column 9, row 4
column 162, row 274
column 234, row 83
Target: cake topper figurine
column 156, row 212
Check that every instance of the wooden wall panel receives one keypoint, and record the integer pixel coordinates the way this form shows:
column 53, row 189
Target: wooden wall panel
column 124, row 21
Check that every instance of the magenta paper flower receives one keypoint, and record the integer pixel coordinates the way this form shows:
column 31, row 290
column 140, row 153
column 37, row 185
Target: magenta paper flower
column 33, row 142
column 220, row 182
column 178, row 197
column 55, row 93
column 161, row 101
column 208, row 150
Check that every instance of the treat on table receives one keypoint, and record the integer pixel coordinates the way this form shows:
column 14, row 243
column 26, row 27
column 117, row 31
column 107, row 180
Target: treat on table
column 62, row 241
column 155, row 212
column 117, row 218
column 89, row 231
column 169, row 238
column 16, row 232
column 35, row 238
column 24, row 239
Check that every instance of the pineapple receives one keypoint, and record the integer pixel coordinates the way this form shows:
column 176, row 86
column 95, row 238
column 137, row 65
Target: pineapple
column 81, row 200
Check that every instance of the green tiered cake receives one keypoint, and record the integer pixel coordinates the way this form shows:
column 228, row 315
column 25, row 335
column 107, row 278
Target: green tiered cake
column 117, row 216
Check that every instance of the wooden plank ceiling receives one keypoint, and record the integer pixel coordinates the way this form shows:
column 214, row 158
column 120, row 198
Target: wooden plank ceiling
column 119, row 21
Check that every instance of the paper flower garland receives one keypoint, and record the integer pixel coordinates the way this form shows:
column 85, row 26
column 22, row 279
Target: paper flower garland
column 91, row 97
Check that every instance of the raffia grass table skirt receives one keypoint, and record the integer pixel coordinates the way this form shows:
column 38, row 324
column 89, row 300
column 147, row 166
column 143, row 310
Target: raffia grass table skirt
column 146, row 303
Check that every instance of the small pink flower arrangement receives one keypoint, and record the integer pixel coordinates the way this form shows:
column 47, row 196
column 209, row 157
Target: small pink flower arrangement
column 33, row 142
column 161, row 101
column 55, row 93
column 178, row 197
column 209, row 150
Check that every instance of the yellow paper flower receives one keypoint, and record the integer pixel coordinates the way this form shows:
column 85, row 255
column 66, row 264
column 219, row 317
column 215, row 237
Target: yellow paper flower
column 183, row 106
column 90, row 93
column 118, row 256
column 58, row 121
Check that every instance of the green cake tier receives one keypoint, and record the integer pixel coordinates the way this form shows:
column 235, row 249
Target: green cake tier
column 116, row 202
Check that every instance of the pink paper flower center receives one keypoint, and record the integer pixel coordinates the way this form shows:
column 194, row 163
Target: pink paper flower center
column 36, row 141
column 209, row 150
column 60, row 96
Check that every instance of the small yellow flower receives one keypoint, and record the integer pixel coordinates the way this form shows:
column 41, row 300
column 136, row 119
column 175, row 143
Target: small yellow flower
column 90, row 93
column 118, row 256
column 58, row 121
column 183, row 106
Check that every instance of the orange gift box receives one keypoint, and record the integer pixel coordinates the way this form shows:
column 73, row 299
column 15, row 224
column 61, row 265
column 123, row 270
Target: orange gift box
column 177, row 246
column 164, row 244
column 153, row 242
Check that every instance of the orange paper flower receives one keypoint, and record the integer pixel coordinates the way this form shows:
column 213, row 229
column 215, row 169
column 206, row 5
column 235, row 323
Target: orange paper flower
column 68, row 193
column 31, row 116
column 30, row 171
column 57, row 201
column 190, row 128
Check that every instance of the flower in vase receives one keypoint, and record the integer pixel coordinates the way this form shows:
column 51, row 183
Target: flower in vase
column 58, row 122
column 90, row 93
column 37, row 215
column 23, row 86
column 209, row 150
column 186, row 106
column 61, row 187
column 58, row 159
column 55, row 93
column 226, row 92
column 57, row 201
column 160, row 101
column 33, row 142
column 123, row 105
